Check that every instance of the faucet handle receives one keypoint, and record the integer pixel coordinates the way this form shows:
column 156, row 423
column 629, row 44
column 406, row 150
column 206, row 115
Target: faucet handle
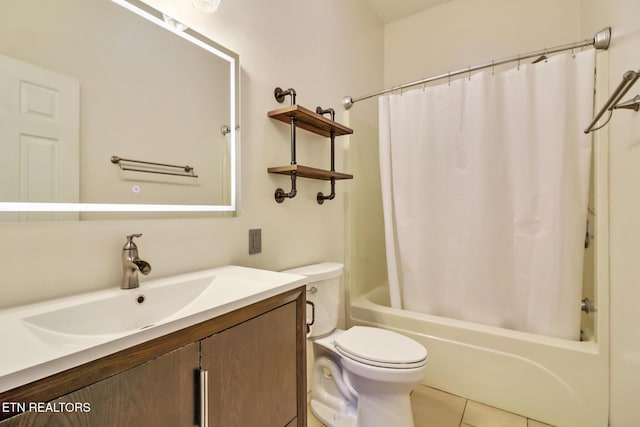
column 130, row 244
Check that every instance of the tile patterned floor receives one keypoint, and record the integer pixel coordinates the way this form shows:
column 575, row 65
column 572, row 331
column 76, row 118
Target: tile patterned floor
column 435, row 408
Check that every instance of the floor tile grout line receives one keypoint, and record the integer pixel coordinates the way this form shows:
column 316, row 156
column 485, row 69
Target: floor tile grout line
column 466, row 402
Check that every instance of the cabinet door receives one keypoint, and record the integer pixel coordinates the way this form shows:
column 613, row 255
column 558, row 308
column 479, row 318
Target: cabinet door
column 157, row 393
column 252, row 371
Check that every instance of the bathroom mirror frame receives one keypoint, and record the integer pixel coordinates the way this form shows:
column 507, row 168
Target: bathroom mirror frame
column 156, row 17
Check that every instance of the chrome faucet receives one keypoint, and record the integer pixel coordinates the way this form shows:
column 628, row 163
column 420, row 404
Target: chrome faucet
column 131, row 264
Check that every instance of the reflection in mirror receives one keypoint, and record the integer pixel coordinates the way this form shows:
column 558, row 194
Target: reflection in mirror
column 82, row 82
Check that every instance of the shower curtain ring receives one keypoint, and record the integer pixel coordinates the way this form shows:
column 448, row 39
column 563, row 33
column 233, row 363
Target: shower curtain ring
column 469, row 70
column 493, row 68
column 449, row 78
column 518, row 62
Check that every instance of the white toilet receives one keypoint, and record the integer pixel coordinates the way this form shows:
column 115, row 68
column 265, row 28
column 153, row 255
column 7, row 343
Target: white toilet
column 362, row 376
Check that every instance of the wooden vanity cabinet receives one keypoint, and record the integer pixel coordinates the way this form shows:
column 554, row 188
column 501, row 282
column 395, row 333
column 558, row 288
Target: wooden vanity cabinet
column 254, row 359
column 252, row 371
column 157, row 393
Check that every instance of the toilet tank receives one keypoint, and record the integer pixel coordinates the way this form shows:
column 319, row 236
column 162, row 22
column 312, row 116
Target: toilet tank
column 324, row 291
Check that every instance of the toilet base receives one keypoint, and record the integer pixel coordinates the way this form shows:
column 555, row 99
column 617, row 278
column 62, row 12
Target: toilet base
column 330, row 417
column 372, row 412
column 383, row 411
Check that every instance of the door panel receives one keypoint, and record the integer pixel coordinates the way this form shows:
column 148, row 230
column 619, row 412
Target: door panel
column 39, row 138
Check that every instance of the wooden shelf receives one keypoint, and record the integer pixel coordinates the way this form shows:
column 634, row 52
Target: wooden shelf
column 309, row 120
column 317, row 124
column 309, row 172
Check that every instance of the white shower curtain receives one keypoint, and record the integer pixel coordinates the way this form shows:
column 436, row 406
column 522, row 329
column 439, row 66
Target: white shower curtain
column 485, row 188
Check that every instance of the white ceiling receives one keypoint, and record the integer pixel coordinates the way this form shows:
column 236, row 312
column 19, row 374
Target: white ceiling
column 392, row 10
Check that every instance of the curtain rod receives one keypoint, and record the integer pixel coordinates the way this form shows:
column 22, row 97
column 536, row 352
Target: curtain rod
column 600, row 41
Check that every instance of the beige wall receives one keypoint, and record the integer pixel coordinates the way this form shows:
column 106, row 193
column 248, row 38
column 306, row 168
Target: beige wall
column 365, row 227
column 624, row 207
column 460, row 33
column 323, row 50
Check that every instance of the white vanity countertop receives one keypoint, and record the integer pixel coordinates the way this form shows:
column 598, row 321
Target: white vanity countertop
column 31, row 351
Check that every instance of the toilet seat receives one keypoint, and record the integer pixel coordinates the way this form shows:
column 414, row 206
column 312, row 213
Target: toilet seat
column 381, row 348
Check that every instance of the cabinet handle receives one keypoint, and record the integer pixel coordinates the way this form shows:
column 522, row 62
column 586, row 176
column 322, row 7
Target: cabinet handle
column 204, row 398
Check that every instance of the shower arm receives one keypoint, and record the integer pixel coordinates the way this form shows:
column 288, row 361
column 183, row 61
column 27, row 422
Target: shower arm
column 628, row 79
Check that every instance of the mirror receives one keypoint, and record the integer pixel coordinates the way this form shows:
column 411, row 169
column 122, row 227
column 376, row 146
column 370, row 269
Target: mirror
column 84, row 84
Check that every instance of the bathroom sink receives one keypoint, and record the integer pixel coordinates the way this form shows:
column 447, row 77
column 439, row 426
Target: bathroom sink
column 48, row 337
column 127, row 310
column 121, row 311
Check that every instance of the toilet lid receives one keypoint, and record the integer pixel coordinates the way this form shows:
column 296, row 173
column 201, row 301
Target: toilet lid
column 380, row 347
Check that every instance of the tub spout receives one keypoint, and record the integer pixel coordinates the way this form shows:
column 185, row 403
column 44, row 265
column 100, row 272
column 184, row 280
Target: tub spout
column 587, row 306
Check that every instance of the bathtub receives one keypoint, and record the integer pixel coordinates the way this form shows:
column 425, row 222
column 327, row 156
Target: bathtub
column 556, row 381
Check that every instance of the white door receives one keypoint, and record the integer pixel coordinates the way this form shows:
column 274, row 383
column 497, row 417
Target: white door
column 39, row 138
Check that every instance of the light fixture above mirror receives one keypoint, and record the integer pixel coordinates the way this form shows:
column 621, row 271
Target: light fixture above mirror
column 206, row 6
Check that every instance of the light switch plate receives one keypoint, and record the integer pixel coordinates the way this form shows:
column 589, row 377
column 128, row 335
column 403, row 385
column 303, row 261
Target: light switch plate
column 255, row 241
